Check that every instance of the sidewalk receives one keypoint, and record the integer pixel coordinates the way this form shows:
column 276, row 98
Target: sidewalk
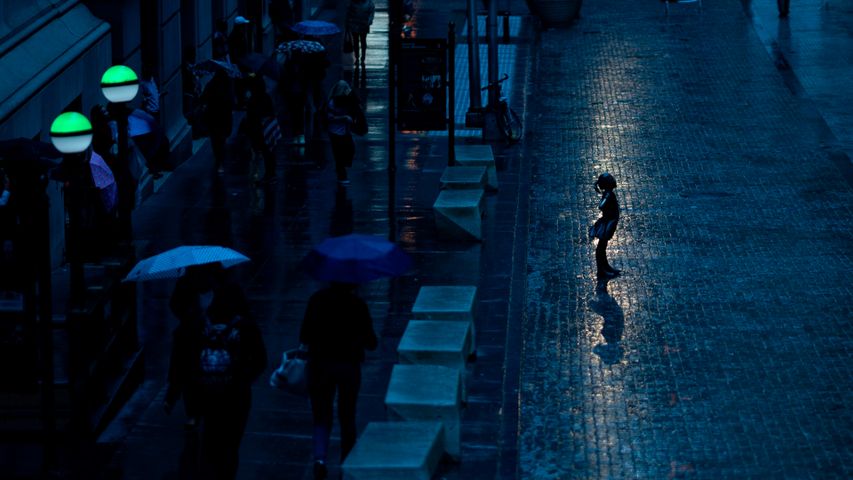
column 277, row 225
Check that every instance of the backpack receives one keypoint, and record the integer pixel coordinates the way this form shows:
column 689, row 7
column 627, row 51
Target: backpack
column 218, row 358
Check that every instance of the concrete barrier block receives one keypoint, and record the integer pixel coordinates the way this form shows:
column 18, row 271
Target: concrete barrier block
column 448, row 303
column 428, row 393
column 458, row 213
column 479, row 155
column 396, row 451
column 431, row 342
column 464, row 178
column 445, row 302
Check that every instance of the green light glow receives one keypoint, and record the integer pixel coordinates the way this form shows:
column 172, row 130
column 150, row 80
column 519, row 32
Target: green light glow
column 119, row 75
column 70, row 123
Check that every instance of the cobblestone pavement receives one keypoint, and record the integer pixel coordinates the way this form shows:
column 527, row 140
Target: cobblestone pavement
column 720, row 353
column 815, row 43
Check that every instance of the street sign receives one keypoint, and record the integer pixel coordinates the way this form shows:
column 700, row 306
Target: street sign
column 422, row 84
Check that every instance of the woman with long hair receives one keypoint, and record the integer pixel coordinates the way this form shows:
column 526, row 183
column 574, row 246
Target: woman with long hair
column 340, row 117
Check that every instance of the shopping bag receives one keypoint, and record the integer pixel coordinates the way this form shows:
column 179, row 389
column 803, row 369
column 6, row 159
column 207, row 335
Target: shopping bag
column 291, row 375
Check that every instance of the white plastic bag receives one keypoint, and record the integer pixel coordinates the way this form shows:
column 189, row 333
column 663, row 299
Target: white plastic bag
column 291, row 375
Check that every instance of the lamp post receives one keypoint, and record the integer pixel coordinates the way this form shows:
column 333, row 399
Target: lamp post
column 120, row 85
column 71, row 134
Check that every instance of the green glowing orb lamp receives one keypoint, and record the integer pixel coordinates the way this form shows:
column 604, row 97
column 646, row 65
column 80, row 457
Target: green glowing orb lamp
column 71, row 132
column 120, row 84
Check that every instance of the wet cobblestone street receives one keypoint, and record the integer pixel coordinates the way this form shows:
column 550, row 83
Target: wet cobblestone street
column 721, row 351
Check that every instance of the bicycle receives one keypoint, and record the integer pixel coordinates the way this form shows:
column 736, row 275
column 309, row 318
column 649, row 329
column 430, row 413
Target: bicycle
column 509, row 122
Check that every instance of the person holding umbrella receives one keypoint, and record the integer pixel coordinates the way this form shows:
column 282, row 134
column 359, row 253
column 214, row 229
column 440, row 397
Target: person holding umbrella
column 202, row 275
column 302, row 65
column 337, row 329
column 232, row 356
column 190, row 299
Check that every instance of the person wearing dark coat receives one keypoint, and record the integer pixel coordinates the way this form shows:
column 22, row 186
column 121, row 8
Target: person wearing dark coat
column 220, row 40
column 281, row 15
column 337, row 329
column 259, row 107
column 190, row 299
column 240, row 39
column 609, row 206
column 340, row 116
column 784, row 7
column 225, row 404
column 218, row 98
column 359, row 19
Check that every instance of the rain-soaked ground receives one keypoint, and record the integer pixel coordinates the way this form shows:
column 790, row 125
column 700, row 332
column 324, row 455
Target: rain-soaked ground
column 276, row 225
column 720, row 353
column 722, row 350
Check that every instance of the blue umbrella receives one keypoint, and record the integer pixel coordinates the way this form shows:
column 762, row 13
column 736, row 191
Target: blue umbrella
column 315, row 28
column 140, row 122
column 173, row 263
column 356, row 258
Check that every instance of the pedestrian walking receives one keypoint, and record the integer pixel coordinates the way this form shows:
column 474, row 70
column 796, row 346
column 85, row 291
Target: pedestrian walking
column 783, row 6
column 261, row 117
column 8, row 222
column 240, row 39
column 359, row 19
column 218, row 100
column 220, row 41
column 342, row 110
column 293, row 85
column 605, row 227
column 105, row 144
column 314, row 67
column 281, row 15
column 239, row 46
column 232, row 356
column 337, row 329
column 190, row 299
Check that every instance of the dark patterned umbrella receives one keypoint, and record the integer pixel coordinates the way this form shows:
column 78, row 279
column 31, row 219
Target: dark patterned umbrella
column 301, row 46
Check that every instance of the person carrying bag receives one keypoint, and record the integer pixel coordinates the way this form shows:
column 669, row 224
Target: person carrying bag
column 344, row 117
